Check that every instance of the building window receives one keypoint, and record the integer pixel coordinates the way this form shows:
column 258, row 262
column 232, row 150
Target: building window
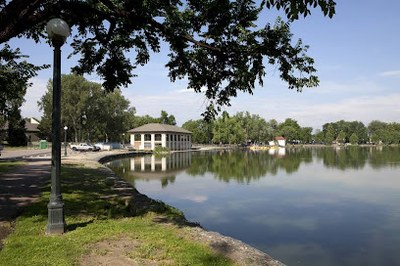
column 147, row 146
column 147, row 137
column 167, row 137
column 138, row 137
column 157, row 137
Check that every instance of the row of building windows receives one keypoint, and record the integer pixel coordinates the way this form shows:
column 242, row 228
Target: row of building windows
column 157, row 137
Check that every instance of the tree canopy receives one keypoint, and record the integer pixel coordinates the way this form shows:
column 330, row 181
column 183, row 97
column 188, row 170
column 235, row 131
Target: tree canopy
column 219, row 46
column 14, row 76
column 88, row 112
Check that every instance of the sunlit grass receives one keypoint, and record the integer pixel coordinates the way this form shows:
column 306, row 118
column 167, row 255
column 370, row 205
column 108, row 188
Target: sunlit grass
column 93, row 218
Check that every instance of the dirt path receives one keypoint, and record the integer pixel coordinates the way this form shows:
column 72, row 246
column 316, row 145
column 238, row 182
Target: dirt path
column 18, row 189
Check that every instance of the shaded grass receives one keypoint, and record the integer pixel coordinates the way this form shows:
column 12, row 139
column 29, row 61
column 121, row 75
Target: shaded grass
column 6, row 167
column 94, row 212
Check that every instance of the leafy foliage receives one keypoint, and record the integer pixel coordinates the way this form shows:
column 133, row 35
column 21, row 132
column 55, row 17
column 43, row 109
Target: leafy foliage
column 216, row 45
column 91, row 113
column 167, row 119
column 201, row 130
column 256, row 129
column 227, row 130
column 16, row 127
column 14, row 76
column 341, row 131
column 386, row 133
column 244, row 127
column 87, row 111
column 161, row 150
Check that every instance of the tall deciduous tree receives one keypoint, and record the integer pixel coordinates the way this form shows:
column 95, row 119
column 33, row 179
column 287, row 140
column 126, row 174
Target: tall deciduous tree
column 167, row 119
column 201, row 130
column 87, row 111
column 16, row 127
column 217, row 45
column 256, row 129
column 14, row 75
column 228, row 130
column 330, row 134
column 290, row 129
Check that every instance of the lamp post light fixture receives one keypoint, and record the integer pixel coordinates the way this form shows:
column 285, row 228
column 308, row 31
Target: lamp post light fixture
column 65, row 141
column 58, row 31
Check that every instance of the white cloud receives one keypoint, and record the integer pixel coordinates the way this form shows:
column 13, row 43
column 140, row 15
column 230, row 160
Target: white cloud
column 33, row 95
column 196, row 198
column 363, row 108
column 395, row 73
column 184, row 105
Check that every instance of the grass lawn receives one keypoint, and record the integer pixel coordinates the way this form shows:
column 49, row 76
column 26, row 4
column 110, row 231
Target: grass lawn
column 9, row 166
column 100, row 225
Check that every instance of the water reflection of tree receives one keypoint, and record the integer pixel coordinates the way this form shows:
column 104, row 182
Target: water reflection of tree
column 383, row 156
column 167, row 180
column 354, row 157
column 344, row 158
column 245, row 166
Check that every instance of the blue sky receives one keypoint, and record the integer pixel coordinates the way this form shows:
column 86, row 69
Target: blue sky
column 357, row 56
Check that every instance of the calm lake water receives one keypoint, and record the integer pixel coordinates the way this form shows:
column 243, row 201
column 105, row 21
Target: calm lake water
column 310, row 206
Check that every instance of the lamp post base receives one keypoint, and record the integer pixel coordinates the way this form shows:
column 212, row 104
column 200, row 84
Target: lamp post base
column 56, row 223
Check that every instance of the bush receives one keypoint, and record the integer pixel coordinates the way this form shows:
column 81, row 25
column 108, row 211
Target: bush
column 159, row 149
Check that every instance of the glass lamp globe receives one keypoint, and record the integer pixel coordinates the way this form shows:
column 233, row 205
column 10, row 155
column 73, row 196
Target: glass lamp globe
column 58, row 31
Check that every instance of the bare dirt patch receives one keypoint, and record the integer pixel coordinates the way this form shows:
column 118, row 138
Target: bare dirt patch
column 118, row 252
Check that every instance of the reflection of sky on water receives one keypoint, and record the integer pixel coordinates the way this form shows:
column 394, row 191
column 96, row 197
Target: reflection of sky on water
column 314, row 216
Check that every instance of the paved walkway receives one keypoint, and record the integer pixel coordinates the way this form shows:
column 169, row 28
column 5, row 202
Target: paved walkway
column 19, row 154
column 24, row 184
column 21, row 187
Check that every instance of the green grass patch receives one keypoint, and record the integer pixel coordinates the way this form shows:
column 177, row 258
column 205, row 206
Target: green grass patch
column 97, row 216
column 161, row 150
column 6, row 167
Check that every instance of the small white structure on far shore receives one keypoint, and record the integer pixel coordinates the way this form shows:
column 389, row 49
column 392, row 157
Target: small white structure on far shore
column 281, row 141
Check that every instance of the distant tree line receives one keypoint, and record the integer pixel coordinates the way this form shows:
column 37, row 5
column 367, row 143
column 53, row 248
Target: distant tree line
column 244, row 127
column 355, row 132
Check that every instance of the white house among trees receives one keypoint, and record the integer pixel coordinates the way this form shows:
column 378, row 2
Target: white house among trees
column 281, row 141
column 149, row 136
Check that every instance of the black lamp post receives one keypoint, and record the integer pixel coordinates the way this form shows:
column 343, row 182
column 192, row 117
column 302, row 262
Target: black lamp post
column 65, row 141
column 83, row 121
column 58, row 31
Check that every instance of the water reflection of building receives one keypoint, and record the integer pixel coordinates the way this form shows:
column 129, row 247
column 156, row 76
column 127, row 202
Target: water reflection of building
column 279, row 152
column 155, row 167
column 149, row 136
